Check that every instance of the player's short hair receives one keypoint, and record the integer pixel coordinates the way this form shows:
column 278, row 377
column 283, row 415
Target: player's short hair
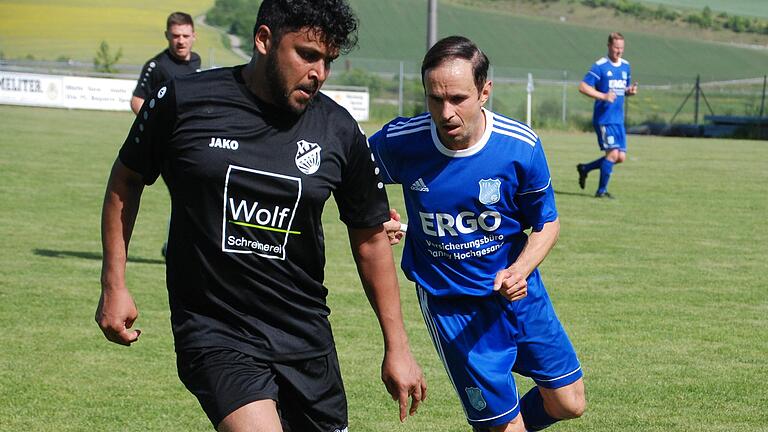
column 179, row 18
column 453, row 47
column 334, row 20
column 614, row 36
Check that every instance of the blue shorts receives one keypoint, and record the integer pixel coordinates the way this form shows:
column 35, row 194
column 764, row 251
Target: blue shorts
column 482, row 340
column 611, row 137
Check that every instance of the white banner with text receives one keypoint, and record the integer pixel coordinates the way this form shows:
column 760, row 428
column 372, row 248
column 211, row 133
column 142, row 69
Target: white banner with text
column 62, row 91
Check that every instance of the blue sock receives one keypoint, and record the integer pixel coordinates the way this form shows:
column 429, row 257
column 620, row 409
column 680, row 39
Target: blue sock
column 532, row 409
column 605, row 174
column 595, row 164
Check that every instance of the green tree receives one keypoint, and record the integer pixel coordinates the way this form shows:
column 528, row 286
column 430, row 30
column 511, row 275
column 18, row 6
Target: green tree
column 105, row 61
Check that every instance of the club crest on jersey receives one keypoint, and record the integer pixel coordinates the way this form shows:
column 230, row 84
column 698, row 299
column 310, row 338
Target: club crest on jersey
column 307, row 157
column 490, row 191
column 475, row 396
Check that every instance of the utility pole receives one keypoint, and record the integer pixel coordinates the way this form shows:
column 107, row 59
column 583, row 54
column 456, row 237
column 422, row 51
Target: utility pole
column 431, row 23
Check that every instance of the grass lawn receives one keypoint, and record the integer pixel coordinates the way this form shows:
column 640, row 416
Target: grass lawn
column 662, row 290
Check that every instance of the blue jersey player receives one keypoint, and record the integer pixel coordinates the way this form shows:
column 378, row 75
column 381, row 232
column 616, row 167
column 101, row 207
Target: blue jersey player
column 608, row 82
column 474, row 181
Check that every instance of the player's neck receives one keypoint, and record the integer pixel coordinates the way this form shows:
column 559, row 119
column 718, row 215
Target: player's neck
column 254, row 81
column 476, row 137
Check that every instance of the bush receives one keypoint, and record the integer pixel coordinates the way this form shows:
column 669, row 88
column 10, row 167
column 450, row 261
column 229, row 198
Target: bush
column 105, row 61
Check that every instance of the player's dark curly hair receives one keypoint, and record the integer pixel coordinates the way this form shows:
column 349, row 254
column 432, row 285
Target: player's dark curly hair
column 335, row 20
column 457, row 47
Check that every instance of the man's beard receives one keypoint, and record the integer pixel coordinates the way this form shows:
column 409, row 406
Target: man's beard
column 278, row 88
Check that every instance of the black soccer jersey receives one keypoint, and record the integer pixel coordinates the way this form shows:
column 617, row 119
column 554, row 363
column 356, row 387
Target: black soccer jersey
column 161, row 68
column 248, row 182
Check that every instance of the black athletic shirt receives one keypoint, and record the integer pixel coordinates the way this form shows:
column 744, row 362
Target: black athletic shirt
column 248, row 182
column 161, row 68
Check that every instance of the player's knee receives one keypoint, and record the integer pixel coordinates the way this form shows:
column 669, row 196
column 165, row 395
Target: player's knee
column 574, row 408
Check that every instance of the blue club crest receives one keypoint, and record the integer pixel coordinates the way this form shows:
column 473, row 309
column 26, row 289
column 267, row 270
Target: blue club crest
column 475, row 396
column 490, row 191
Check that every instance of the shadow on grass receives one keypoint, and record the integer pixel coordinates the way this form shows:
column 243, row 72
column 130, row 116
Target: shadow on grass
column 586, row 194
column 90, row 255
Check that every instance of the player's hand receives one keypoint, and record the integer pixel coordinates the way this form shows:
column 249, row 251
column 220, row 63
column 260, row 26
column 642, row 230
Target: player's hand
column 394, row 227
column 115, row 316
column 511, row 284
column 610, row 96
column 632, row 90
column 403, row 378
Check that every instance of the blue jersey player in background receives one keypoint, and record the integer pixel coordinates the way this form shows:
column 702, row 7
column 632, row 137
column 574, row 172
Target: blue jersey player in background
column 474, row 181
column 607, row 82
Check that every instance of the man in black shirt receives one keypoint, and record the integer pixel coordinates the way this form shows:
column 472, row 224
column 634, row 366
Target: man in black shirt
column 176, row 60
column 250, row 154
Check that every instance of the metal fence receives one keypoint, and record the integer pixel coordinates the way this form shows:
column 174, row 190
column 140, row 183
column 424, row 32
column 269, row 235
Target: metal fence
column 395, row 90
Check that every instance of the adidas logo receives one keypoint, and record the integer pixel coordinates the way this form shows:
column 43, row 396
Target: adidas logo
column 419, row 186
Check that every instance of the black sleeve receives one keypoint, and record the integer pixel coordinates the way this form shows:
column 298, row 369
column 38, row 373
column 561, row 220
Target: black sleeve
column 152, row 74
column 362, row 199
column 144, row 149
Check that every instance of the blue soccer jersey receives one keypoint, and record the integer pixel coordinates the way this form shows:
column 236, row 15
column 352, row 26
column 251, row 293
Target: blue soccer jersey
column 606, row 76
column 468, row 209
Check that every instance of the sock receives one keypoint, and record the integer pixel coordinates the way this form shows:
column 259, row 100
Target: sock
column 606, row 167
column 532, row 409
column 595, row 164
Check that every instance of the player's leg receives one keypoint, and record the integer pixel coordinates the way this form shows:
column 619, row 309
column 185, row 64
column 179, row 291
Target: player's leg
column 545, row 353
column 311, row 395
column 236, row 391
column 584, row 169
column 566, row 402
column 615, row 145
column 259, row 416
column 478, row 350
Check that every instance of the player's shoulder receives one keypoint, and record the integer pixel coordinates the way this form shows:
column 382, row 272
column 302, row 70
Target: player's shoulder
column 508, row 130
column 404, row 126
column 155, row 62
column 601, row 61
column 624, row 62
column 206, row 77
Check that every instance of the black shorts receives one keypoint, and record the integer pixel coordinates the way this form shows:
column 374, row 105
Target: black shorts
column 309, row 393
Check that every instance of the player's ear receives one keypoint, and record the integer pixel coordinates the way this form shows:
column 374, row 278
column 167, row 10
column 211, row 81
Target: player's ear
column 485, row 93
column 262, row 40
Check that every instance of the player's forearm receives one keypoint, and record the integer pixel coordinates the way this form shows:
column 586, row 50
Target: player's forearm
column 121, row 205
column 590, row 91
column 375, row 265
column 538, row 247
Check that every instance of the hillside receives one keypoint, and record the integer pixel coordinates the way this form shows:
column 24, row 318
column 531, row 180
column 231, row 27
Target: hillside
column 518, row 37
column 396, row 30
column 73, row 29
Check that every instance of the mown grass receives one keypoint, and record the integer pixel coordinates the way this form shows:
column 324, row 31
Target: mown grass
column 50, row 30
column 662, row 290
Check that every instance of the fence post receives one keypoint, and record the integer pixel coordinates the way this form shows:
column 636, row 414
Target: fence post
column 762, row 101
column 529, row 89
column 565, row 90
column 400, row 92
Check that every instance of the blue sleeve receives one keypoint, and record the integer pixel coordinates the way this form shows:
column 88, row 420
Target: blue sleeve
column 535, row 196
column 593, row 76
column 381, row 153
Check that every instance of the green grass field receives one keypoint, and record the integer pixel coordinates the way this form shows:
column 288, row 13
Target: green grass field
column 396, row 30
column 391, row 30
column 53, row 29
column 662, row 291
